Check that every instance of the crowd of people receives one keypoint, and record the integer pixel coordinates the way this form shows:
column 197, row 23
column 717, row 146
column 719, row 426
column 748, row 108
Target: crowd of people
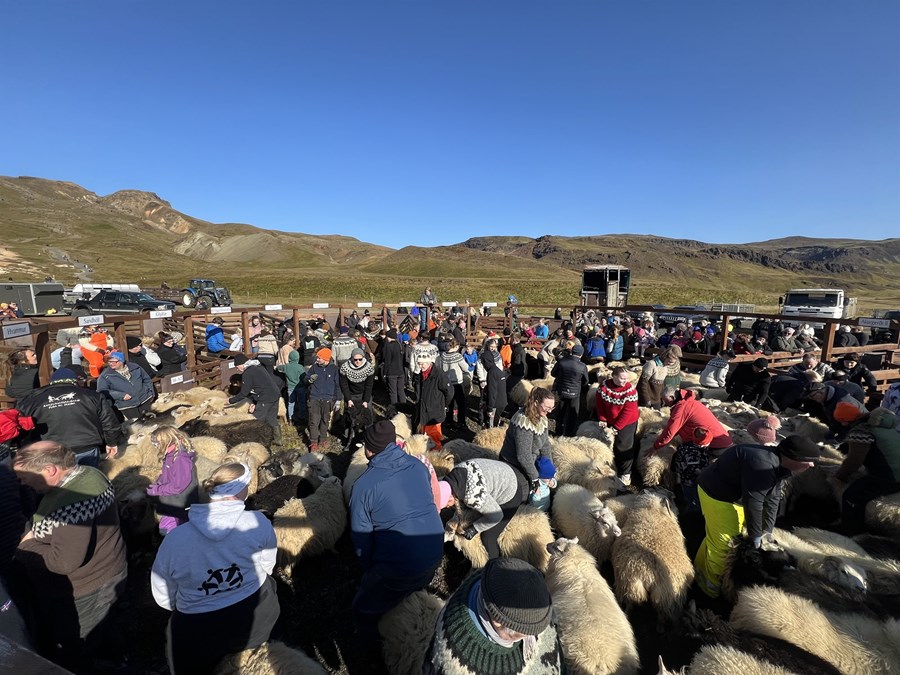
column 64, row 559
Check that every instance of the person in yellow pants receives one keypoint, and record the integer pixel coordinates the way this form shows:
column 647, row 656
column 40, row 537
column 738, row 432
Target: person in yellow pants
column 743, row 488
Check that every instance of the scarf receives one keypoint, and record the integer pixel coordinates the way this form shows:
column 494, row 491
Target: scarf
column 529, row 642
column 87, row 494
column 357, row 374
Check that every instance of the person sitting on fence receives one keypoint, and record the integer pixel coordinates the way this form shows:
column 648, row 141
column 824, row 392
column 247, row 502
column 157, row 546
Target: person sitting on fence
column 267, row 349
column 215, row 336
column 810, row 362
column 845, row 338
column 170, row 357
column 22, row 373
column 127, row 385
column 95, row 345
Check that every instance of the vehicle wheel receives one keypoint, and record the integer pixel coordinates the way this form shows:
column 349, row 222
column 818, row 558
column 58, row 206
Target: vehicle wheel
column 204, row 302
column 81, row 311
column 189, row 299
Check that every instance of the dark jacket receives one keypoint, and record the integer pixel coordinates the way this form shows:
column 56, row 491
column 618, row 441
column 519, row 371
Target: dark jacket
column 394, row 524
column 323, row 382
column 750, row 475
column 171, row 360
column 845, row 339
column 496, row 389
column 432, row 397
column 114, row 385
column 360, row 391
column 862, row 376
column 24, row 380
column 524, row 443
column 391, row 359
column 786, row 391
column 571, row 375
column 140, row 359
column 67, row 413
column 309, row 345
column 258, row 385
column 745, row 384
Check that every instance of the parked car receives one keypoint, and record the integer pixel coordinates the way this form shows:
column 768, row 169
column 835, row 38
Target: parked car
column 120, row 302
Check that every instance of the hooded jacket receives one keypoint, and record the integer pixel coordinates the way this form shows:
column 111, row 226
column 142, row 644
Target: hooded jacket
column 23, row 381
column 221, row 556
column 293, row 371
column 215, row 338
column 686, row 417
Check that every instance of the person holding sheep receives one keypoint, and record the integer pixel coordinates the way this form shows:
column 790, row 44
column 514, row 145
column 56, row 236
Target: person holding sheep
column 743, row 489
column 262, row 389
column 528, row 435
column 494, row 490
column 177, row 486
column 395, row 528
column 213, row 574
column 617, row 408
column 500, row 620
column 687, row 415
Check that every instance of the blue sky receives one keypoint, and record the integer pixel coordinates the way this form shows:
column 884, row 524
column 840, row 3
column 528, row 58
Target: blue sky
column 430, row 122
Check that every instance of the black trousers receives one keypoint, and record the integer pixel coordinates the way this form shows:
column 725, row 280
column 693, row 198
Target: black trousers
column 567, row 416
column 489, row 537
column 196, row 643
column 459, row 400
column 623, row 449
column 268, row 412
column 396, row 386
column 319, row 416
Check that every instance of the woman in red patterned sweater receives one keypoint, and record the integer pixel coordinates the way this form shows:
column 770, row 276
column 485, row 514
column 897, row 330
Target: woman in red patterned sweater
column 617, row 407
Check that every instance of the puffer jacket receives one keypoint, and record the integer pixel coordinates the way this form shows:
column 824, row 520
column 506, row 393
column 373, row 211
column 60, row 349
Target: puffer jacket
column 117, row 387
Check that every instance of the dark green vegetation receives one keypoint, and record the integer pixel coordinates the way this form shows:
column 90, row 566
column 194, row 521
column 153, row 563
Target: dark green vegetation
column 59, row 228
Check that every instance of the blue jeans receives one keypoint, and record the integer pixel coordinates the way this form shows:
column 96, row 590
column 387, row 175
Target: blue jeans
column 88, row 456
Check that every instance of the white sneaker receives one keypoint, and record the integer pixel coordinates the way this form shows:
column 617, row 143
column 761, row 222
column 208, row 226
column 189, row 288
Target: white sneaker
column 626, row 478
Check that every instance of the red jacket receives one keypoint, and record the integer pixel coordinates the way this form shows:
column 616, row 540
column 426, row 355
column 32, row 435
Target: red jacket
column 687, row 416
column 618, row 407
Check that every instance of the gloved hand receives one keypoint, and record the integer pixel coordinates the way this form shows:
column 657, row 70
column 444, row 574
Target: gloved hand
column 336, row 406
column 470, row 532
column 769, row 543
column 756, row 541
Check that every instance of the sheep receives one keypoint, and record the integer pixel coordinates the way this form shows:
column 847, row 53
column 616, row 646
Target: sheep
column 585, row 464
column 621, row 506
column 879, row 547
column 723, row 660
column 275, row 494
column 253, row 455
column 287, row 462
column 590, row 399
column 407, row 630
column 526, row 537
column 232, row 433
column 649, row 558
column 579, row 514
column 271, row 658
column 462, row 450
column 592, row 429
column 357, row 467
column 654, row 468
column 209, row 447
column 402, row 426
column 491, row 438
column 700, row 629
column 442, row 461
column 883, row 515
column 519, row 393
column 418, row 444
column 201, row 395
column 585, row 608
column 812, row 484
column 804, row 425
column 597, row 372
column 854, row 644
column 309, row 526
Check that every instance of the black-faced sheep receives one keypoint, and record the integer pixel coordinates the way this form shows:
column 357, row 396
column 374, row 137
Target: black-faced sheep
column 577, row 513
column 287, row 462
column 854, row 644
column 310, row 526
column 407, row 631
column 525, row 537
column 592, row 429
column 586, row 608
column 649, row 559
column 233, row 433
column 277, row 493
column 271, row 658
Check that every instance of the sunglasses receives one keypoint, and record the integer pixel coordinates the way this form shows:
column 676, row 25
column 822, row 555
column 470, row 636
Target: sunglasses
column 357, row 360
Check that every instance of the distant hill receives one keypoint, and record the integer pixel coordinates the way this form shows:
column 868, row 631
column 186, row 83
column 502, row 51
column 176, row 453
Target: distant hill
column 60, row 229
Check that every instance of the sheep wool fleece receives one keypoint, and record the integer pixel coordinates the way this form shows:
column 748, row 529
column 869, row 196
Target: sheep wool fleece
column 460, row 648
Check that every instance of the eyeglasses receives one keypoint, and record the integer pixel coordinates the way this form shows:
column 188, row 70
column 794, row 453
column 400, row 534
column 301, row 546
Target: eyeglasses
column 113, row 361
column 357, row 360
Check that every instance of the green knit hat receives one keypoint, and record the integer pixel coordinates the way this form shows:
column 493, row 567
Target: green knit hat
column 516, row 596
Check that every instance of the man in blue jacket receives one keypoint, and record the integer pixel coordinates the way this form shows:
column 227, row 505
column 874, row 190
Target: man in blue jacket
column 395, row 528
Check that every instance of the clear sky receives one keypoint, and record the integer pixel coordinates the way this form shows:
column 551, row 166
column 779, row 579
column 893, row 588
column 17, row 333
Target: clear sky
column 419, row 122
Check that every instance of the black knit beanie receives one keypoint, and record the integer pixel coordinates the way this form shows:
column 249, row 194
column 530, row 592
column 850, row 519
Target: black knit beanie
column 516, row 596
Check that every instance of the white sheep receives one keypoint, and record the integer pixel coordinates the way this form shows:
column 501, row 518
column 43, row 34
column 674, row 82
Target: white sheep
column 854, row 644
column 357, row 467
column 519, row 393
column 883, row 515
column 491, row 438
column 407, row 630
column 649, row 558
column 586, row 608
column 804, row 425
column 253, row 455
column 309, row 526
column 525, row 537
column 578, row 514
column 418, row 444
column 651, row 420
column 655, row 468
column 584, row 462
column 590, row 399
column 724, row 660
column 271, row 658
column 209, row 447
column 402, row 426
column 621, row 506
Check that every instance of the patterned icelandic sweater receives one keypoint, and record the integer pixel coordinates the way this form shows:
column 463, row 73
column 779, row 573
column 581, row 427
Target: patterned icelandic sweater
column 77, row 547
column 617, row 406
column 460, row 648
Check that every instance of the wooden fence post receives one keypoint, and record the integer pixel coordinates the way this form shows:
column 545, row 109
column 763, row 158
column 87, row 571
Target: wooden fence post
column 189, row 341
column 245, row 329
column 828, row 340
column 295, row 316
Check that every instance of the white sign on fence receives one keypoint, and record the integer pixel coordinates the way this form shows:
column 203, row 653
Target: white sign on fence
column 449, row 304
column 176, row 379
column 488, row 304
column 220, row 310
column 93, row 320
column 161, row 314
column 407, row 304
column 14, row 330
column 875, row 323
column 320, row 305
column 363, row 304
column 272, row 308
column 230, row 365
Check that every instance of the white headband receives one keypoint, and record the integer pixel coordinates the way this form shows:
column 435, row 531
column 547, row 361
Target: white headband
column 233, row 487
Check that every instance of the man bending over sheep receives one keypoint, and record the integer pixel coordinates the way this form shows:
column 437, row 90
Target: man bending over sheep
column 395, row 527
column 745, row 483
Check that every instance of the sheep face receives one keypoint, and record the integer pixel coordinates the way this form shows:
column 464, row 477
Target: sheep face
column 558, row 548
column 843, row 573
column 606, row 522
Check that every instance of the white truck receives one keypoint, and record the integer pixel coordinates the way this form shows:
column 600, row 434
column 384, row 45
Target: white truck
column 827, row 303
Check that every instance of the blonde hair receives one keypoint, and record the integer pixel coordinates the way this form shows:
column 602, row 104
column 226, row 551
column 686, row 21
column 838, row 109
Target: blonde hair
column 164, row 437
column 224, row 474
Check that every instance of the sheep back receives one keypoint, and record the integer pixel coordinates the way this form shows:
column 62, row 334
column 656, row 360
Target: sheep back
column 883, row 515
column 491, row 438
column 723, row 660
column 271, row 658
column 407, row 631
column 310, row 526
column 574, row 510
column 464, row 450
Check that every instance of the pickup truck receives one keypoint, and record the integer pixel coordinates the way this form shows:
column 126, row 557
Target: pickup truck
column 120, row 302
